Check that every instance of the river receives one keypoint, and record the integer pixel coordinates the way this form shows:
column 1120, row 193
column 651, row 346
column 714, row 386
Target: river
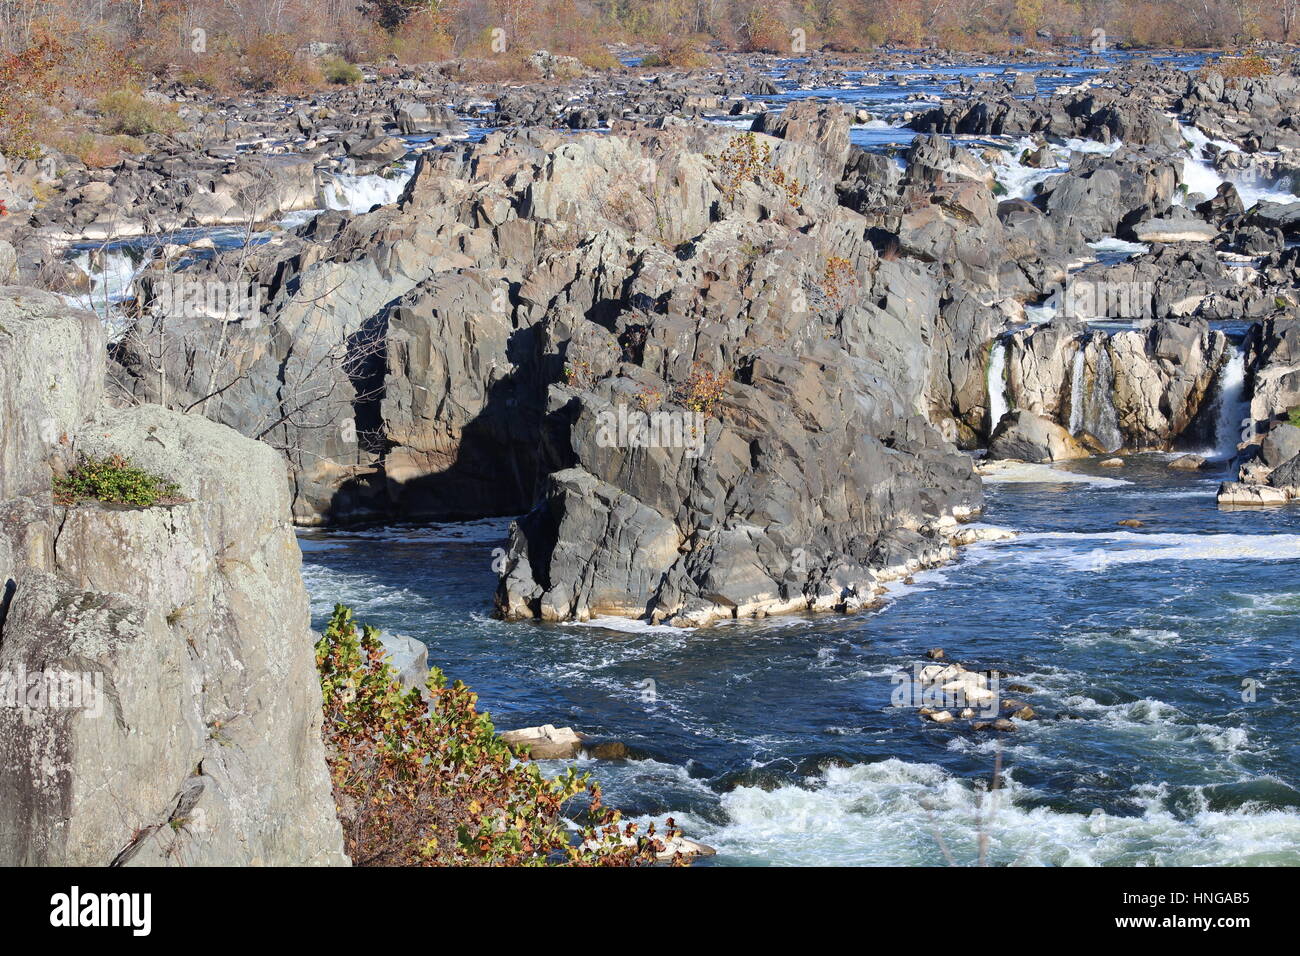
column 1162, row 663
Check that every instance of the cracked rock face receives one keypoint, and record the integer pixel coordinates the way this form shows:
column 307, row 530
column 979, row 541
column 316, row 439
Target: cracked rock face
column 183, row 722
column 528, row 291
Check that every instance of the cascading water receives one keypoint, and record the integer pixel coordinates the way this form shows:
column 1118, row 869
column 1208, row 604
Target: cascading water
column 1100, row 418
column 1076, row 392
column 1092, row 408
column 997, row 386
column 1200, row 176
column 360, row 194
column 1233, row 409
column 111, row 275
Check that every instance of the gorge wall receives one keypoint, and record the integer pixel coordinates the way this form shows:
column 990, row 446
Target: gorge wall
column 161, row 701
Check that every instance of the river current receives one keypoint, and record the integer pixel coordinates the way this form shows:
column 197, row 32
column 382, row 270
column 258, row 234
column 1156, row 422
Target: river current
column 1161, row 661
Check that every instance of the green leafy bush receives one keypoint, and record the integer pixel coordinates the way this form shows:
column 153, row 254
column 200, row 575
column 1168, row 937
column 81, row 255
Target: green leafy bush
column 337, row 70
column 423, row 779
column 682, row 53
column 126, row 112
column 1293, row 416
column 116, row 480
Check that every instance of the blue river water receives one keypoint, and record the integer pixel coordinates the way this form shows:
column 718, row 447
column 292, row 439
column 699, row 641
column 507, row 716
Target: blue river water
column 1161, row 661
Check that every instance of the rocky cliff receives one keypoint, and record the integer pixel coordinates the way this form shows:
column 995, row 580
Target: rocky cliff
column 471, row 346
column 727, row 374
column 161, row 704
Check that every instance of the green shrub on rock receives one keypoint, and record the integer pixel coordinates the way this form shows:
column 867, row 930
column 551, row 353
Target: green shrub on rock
column 115, row 480
column 339, row 71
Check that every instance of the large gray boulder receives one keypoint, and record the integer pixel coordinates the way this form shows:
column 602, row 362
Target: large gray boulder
column 1280, row 444
column 1024, row 436
column 184, row 722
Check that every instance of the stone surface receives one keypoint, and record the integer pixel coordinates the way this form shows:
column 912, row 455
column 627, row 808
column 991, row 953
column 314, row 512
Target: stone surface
column 1024, row 436
column 1169, row 230
column 199, row 743
column 546, row 742
column 1238, row 493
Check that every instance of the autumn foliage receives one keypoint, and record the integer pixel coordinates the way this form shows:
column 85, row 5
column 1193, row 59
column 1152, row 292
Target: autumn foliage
column 421, row 778
column 27, row 78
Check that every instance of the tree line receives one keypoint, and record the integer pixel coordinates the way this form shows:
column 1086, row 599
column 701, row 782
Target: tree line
column 415, row 30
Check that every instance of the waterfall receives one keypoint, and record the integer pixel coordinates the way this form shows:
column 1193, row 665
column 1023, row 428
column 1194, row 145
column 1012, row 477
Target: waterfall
column 360, row 194
column 1233, row 408
column 998, row 404
column 1100, row 418
column 1092, row 406
column 111, row 274
column 1201, row 177
column 1076, row 391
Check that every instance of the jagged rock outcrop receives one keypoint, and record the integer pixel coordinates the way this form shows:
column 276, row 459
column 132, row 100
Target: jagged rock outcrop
column 176, row 716
column 1096, row 114
column 1100, row 194
column 533, row 263
column 812, row 323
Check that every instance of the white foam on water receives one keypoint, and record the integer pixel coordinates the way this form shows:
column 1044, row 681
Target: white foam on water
column 1201, row 177
column 480, row 531
column 1020, row 180
column 1023, row 472
column 745, row 123
column 111, row 282
column 921, row 581
column 1135, row 638
column 1043, row 313
column 327, row 587
column 1284, row 603
column 359, row 194
column 1126, row 547
column 1115, row 244
column 1016, row 178
column 896, row 813
column 628, row 625
column 1075, row 145
column 1159, row 723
